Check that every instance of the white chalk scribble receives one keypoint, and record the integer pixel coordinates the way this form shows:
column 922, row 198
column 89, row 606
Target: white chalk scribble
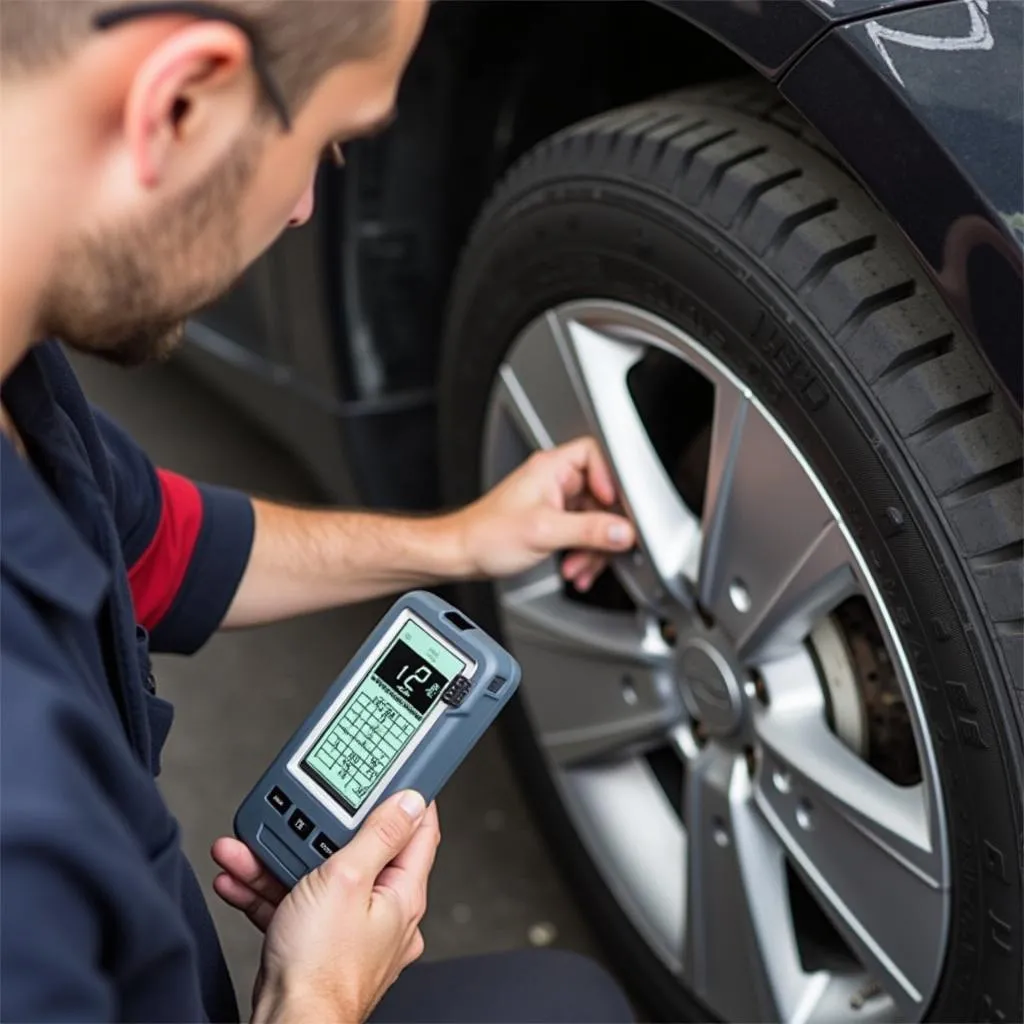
column 979, row 36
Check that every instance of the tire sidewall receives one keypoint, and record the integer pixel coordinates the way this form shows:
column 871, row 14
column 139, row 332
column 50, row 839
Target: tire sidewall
column 557, row 244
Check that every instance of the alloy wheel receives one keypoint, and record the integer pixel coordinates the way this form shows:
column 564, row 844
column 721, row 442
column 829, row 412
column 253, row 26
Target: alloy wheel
column 731, row 720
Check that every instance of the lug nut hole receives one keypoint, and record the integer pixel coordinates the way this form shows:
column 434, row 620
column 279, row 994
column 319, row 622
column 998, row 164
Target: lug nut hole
column 805, row 815
column 720, row 832
column 739, row 595
column 629, row 694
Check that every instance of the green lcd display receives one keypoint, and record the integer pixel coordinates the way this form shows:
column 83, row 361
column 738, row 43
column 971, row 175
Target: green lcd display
column 381, row 715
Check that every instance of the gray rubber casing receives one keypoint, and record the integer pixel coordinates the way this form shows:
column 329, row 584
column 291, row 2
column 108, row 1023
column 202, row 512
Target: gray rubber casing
column 266, row 831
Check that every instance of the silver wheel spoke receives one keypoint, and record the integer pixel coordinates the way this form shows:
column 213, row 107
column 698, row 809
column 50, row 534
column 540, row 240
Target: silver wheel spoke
column 822, row 579
column 740, row 949
column 669, row 533
column 599, row 683
column 538, row 387
column 769, row 559
column 864, row 845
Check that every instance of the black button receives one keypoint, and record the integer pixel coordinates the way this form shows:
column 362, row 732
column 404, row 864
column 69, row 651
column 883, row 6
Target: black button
column 456, row 692
column 300, row 824
column 277, row 799
column 324, row 845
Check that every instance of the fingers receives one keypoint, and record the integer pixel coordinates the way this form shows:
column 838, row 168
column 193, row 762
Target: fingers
column 239, row 862
column 418, row 855
column 415, row 948
column 581, row 568
column 245, row 883
column 404, row 881
column 596, row 531
column 586, row 464
column 257, row 908
column 382, row 837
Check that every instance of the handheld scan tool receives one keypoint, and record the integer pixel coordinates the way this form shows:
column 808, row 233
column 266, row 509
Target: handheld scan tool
column 403, row 714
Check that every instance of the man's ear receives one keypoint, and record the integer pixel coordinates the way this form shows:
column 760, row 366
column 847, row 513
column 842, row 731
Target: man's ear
column 189, row 100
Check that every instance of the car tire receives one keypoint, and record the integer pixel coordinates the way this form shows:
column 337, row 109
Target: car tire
column 718, row 211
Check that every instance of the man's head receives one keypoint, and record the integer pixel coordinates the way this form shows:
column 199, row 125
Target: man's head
column 193, row 133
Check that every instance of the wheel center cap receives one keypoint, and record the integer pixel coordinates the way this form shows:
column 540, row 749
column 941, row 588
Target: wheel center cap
column 711, row 691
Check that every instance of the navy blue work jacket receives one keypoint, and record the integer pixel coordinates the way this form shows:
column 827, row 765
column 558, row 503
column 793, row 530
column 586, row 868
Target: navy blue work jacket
column 103, row 557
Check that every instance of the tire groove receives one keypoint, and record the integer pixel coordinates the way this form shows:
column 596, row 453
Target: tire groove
column 641, row 136
column 726, row 165
column 987, row 481
column 872, row 304
column 914, row 357
column 947, row 419
column 758, row 190
column 668, row 140
column 998, row 556
column 831, row 259
column 691, row 154
column 789, row 224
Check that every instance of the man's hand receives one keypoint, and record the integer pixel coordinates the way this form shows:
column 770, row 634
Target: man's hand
column 245, row 883
column 558, row 500
column 340, row 938
column 304, row 560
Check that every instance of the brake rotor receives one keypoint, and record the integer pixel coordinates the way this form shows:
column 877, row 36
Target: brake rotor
column 866, row 707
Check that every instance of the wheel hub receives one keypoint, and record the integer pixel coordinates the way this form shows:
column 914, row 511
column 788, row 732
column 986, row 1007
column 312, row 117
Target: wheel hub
column 709, row 684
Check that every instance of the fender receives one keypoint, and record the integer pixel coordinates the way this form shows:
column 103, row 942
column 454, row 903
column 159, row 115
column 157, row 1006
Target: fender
column 924, row 106
column 771, row 34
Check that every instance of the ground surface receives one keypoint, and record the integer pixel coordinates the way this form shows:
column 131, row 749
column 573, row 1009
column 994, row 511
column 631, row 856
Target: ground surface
column 240, row 698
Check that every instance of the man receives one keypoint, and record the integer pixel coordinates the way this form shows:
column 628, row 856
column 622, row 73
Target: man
column 149, row 153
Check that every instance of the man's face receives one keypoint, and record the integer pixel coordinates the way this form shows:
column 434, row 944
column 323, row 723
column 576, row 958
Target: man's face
column 123, row 290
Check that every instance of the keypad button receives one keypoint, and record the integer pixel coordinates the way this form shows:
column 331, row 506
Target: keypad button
column 300, row 824
column 325, row 845
column 278, row 800
column 456, row 692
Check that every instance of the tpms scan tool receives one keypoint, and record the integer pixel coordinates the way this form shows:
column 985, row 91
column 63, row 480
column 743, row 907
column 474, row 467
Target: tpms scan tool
column 404, row 713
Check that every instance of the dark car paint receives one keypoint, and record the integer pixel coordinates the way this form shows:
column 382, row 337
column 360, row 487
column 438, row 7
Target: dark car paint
column 771, row 34
column 932, row 146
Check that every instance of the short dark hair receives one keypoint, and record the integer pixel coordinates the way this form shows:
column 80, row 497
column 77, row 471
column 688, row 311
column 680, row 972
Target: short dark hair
column 302, row 39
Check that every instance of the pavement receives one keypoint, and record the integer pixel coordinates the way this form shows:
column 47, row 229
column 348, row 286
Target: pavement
column 240, row 698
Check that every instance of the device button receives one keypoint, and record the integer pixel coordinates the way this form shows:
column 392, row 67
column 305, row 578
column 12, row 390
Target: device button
column 278, row 800
column 300, row 824
column 457, row 691
column 324, row 845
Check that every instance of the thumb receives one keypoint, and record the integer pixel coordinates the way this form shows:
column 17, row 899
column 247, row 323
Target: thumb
column 384, row 834
column 597, row 531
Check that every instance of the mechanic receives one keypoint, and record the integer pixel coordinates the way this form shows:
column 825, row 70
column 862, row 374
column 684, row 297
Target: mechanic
column 149, row 153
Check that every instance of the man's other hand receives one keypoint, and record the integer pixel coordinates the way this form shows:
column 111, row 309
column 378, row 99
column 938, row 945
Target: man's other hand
column 558, row 500
column 340, row 938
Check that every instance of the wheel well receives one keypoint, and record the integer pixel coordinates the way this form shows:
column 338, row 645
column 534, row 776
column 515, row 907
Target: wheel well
column 487, row 83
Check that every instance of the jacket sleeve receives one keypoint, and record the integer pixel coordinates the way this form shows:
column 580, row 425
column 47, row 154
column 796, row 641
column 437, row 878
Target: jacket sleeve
column 186, row 545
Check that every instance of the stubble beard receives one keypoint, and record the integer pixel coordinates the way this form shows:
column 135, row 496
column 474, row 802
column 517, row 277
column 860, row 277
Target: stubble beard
column 124, row 294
